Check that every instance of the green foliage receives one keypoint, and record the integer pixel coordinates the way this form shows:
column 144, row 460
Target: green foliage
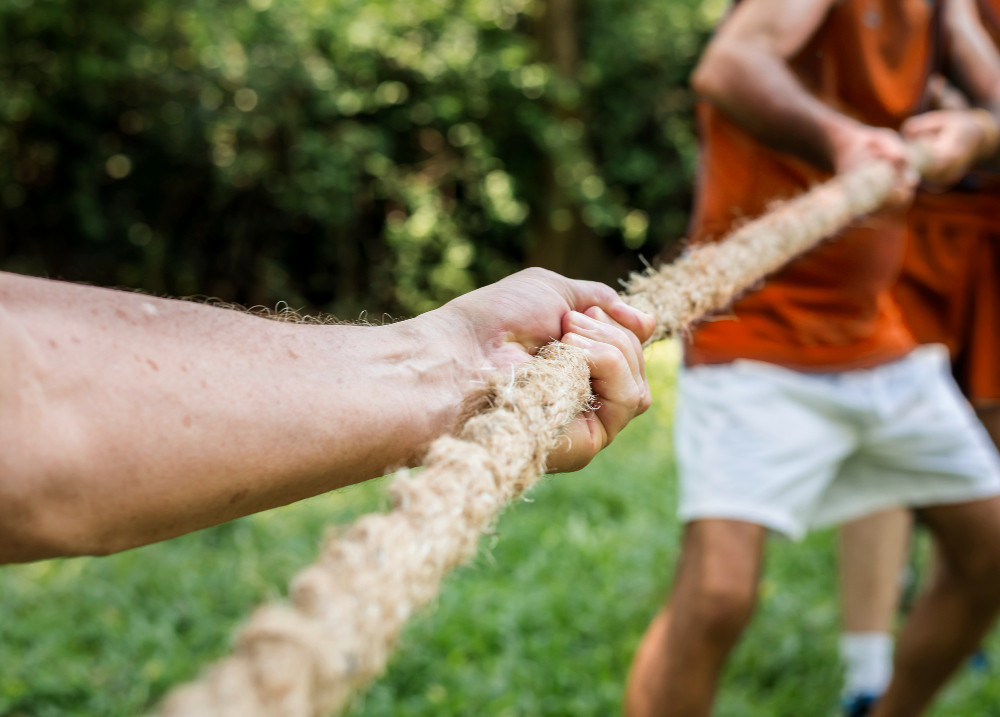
column 544, row 622
column 342, row 155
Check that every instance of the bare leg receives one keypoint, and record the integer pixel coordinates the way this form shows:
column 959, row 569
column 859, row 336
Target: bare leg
column 990, row 417
column 954, row 612
column 872, row 554
column 678, row 663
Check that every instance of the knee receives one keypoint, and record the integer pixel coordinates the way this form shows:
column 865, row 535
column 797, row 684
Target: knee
column 723, row 607
column 976, row 572
column 990, row 417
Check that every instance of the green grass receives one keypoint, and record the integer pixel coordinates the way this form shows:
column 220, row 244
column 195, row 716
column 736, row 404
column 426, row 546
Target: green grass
column 544, row 622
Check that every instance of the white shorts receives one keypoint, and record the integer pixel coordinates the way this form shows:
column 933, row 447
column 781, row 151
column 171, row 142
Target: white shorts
column 791, row 450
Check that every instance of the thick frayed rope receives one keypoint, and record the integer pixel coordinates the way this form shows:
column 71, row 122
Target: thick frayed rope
column 307, row 658
column 709, row 277
column 347, row 608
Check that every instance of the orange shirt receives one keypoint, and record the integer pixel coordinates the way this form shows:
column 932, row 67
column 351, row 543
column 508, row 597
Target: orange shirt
column 949, row 289
column 830, row 309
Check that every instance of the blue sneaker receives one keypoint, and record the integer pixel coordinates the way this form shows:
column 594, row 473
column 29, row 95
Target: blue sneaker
column 979, row 662
column 858, row 705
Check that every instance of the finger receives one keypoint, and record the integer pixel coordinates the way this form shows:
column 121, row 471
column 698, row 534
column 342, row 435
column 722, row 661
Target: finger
column 920, row 125
column 904, row 188
column 949, row 166
column 901, row 163
column 581, row 295
column 582, row 440
column 889, row 145
column 619, row 400
column 638, row 322
column 620, row 396
column 899, row 198
column 607, row 333
column 595, row 312
column 612, row 384
column 614, row 413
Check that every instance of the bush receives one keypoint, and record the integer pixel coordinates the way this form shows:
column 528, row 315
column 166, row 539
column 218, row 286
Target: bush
column 378, row 154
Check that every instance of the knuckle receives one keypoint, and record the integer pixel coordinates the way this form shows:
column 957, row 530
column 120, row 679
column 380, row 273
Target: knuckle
column 646, row 401
column 638, row 395
column 606, row 293
column 617, row 334
column 616, row 358
column 538, row 273
column 636, row 345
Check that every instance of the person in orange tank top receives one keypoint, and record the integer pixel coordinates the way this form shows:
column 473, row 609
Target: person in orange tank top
column 949, row 293
column 809, row 403
column 949, row 288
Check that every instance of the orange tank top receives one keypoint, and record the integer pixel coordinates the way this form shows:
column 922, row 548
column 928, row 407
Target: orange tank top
column 830, row 309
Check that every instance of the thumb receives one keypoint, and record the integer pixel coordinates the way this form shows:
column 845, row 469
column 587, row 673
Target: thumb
column 581, row 295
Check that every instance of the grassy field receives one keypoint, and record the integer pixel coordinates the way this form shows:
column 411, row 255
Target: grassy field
column 544, row 622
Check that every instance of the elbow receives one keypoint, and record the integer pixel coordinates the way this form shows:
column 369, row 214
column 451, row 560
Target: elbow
column 46, row 510
column 29, row 530
column 703, row 81
column 709, row 79
column 38, row 535
column 25, row 533
column 37, row 522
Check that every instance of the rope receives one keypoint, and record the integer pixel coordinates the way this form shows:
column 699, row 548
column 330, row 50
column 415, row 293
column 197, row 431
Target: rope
column 307, row 658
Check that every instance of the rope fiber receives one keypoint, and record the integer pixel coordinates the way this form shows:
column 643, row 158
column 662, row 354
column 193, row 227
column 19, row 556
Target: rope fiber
column 307, row 658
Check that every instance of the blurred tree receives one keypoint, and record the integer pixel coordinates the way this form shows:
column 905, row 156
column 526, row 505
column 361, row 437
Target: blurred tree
column 370, row 154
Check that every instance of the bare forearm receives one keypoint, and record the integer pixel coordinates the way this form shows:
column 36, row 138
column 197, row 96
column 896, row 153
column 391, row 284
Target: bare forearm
column 974, row 57
column 128, row 419
column 746, row 72
column 756, row 88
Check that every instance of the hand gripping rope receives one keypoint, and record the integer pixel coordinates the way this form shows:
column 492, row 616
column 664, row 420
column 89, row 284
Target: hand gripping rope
column 308, row 658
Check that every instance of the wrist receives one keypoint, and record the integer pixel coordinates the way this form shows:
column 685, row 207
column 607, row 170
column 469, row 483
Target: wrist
column 989, row 131
column 400, row 383
column 843, row 134
column 443, row 359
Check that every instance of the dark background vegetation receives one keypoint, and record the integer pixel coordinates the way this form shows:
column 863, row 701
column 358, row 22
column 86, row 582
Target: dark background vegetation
column 343, row 155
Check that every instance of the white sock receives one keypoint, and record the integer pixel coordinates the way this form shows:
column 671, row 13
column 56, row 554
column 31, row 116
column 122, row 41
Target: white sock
column 867, row 658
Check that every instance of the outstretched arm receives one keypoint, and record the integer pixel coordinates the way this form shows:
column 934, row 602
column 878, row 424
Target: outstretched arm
column 745, row 72
column 127, row 419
